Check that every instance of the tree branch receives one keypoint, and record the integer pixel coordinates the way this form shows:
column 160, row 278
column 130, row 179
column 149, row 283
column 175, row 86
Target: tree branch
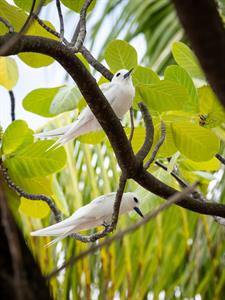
column 72, row 260
column 132, row 124
column 13, row 103
column 58, row 5
column 96, row 64
column 7, row 24
column 81, row 27
column 206, row 33
column 24, row 194
column 149, row 135
column 107, row 118
column 220, row 158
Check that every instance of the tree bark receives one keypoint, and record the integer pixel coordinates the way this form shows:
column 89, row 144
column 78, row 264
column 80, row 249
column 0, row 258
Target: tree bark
column 20, row 276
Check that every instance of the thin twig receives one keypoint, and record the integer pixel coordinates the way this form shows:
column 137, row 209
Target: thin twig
column 7, row 24
column 220, row 158
column 132, row 124
column 173, row 199
column 119, row 195
column 24, row 194
column 157, row 146
column 196, row 194
column 15, row 38
column 27, row 24
column 75, row 35
column 96, row 64
column 13, row 103
column 86, row 54
column 181, row 182
column 149, row 135
column 58, row 5
column 49, row 29
column 82, row 27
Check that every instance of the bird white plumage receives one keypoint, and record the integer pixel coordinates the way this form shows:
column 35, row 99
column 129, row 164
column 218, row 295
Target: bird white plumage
column 96, row 213
column 119, row 93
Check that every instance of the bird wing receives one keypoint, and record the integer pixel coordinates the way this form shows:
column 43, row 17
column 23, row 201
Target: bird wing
column 53, row 133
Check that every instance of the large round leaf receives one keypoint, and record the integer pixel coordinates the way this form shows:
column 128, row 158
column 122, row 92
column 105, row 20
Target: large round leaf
column 164, row 96
column 34, row 208
column 187, row 59
column 35, row 161
column 195, row 142
column 120, row 55
column 179, row 75
column 38, row 101
column 16, row 136
column 27, row 4
column 8, row 72
column 76, row 5
column 67, row 98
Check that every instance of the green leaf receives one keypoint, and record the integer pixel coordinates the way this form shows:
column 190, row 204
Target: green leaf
column 179, row 75
column 14, row 15
column 27, row 4
column 34, row 208
column 168, row 147
column 143, row 75
column 210, row 107
column 120, row 55
column 36, row 60
column 164, row 96
column 210, row 165
column 93, row 138
column 16, row 136
column 184, row 57
column 35, row 185
column 35, row 161
column 195, row 142
column 8, row 72
column 138, row 137
column 77, row 4
column 67, row 98
column 39, row 101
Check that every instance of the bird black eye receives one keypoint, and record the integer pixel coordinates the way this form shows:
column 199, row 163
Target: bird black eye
column 118, row 74
column 135, row 199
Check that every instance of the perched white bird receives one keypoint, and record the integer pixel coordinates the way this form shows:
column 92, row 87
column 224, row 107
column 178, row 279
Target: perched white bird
column 119, row 93
column 98, row 212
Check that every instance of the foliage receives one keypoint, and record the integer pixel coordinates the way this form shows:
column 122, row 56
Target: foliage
column 180, row 252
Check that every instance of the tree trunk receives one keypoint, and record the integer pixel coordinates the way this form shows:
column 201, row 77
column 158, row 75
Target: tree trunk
column 20, row 276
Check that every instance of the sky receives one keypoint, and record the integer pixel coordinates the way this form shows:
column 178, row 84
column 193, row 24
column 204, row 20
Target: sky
column 53, row 75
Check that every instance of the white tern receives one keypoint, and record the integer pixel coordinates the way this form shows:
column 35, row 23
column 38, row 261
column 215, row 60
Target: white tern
column 97, row 213
column 119, row 93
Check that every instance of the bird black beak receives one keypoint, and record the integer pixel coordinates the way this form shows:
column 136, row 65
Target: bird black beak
column 138, row 211
column 128, row 74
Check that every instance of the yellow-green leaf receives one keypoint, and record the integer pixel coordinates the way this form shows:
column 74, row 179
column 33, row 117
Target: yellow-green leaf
column 16, row 136
column 185, row 57
column 195, row 142
column 210, row 107
column 93, row 138
column 35, row 161
column 8, row 72
column 179, row 75
column 34, row 208
column 120, row 55
column 76, row 5
column 39, row 101
column 163, row 96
